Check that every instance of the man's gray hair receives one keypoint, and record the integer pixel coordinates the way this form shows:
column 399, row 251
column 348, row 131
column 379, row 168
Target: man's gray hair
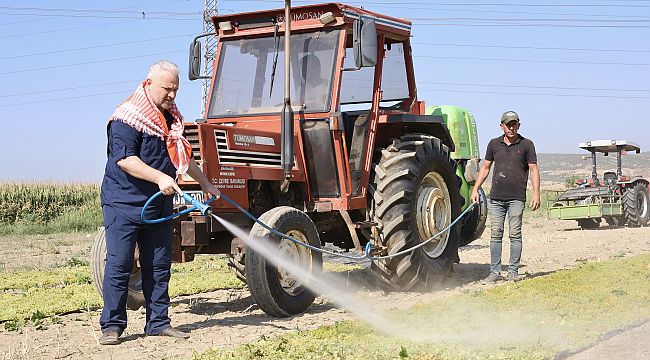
column 161, row 66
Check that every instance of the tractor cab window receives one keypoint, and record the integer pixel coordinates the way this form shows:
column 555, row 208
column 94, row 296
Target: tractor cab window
column 250, row 74
column 357, row 86
column 394, row 82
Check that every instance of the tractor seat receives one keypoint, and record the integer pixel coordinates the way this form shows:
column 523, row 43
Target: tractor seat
column 610, row 178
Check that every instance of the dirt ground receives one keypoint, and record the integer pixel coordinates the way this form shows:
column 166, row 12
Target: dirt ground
column 226, row 318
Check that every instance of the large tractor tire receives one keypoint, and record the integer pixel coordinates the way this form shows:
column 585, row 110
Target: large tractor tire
column 416, row 195
column 474, row 226
column 635, row 205
column 135, row 298
column 615, row 221
column 238, row 264
column 277, row 291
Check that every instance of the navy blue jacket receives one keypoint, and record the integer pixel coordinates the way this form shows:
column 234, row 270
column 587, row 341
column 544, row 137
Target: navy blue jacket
column 125, row 193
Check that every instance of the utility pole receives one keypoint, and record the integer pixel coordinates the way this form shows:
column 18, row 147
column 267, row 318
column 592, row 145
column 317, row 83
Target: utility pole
column 209, row 10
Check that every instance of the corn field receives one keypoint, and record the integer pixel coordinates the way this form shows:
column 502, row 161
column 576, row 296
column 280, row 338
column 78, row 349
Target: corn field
column 43, row 203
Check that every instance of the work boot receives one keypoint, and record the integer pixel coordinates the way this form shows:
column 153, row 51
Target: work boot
column 109, row 337
column 171, row 332
column 513, row 277
column 492, row 278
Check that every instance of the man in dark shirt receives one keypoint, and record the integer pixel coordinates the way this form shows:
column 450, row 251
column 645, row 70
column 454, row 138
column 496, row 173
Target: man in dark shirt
column 146, row 150
column 514, row 157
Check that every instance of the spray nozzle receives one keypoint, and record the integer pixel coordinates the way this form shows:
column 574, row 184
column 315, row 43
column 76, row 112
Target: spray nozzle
column 204, row 208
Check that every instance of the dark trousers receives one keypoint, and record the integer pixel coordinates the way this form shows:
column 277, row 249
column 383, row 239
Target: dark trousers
column 155, row 246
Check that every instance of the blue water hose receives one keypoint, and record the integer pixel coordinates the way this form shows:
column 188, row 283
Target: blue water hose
column 206, row 210
column 203, row 207
column 366, row 255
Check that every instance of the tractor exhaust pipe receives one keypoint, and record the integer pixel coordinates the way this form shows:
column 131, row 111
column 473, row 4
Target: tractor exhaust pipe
column 287, row 111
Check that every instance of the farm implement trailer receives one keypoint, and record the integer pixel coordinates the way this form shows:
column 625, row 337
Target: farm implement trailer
column 617, row 198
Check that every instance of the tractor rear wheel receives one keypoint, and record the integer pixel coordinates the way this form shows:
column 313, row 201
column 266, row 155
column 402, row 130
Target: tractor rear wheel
column 615, row 221
column 135, row 297
column 416, row 195
column 474, row 226
column 280, row 291
column 635, row 205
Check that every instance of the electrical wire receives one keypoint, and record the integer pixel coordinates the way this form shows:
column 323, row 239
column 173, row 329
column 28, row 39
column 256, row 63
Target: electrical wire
column 467, row 4
column 536, row 94
column 89, row 62
column 532, row 47
column 530, row 60
column 94, row 47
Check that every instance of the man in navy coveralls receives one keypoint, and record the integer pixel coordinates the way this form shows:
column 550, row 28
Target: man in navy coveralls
column 146, row 150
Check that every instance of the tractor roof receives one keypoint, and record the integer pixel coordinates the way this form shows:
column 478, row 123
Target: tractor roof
column 609, row 146
column 307, row 16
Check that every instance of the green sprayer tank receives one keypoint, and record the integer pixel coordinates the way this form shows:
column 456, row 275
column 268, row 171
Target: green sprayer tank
column 462, row 128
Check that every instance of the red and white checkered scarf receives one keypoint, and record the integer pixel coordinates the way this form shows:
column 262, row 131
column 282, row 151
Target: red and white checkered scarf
column 139, row 112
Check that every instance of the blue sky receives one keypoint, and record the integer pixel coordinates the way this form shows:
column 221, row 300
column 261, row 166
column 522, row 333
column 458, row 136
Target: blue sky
column 574, row 70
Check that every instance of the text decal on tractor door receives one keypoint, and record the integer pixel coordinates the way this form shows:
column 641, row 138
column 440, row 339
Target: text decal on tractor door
column 243, row 140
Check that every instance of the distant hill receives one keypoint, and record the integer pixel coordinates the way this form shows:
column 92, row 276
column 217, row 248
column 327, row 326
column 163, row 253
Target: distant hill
column 557, row 167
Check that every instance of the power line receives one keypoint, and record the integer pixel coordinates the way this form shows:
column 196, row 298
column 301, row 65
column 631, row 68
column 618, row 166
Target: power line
column 89, row 62
column 536, row 94
column 531, row 47
column 128, row 7
column 420, row 89
column 506, row 20
column 143, row 15
column 532, row 86
column 74, row 97
column 469, row 4
column 418, row 82
column 93, row 47
column 66, row 29
column 69, row 88
column 531, row 60
column 109, row 11
column 538, row 25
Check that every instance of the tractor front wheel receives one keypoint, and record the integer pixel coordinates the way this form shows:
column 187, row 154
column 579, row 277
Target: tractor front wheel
column 416, row 195
column 135, row 297
column 278, row 271
column 635, row 205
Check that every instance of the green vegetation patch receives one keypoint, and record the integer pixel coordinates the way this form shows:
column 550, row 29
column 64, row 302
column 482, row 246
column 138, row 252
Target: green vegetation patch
column 40, row 208
column 70, row 288
column 337, row 267
column 532, row 319
column 205, row 273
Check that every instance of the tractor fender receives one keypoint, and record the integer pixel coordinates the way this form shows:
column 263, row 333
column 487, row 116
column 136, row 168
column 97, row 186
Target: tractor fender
column 634, row 180
column 424, row 124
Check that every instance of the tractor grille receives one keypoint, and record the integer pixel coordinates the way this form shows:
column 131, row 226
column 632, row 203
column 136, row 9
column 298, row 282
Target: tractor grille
column 243, row 157
column 192, row 135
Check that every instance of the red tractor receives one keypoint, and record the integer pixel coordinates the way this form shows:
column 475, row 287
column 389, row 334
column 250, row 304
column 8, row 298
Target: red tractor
column 343, row 153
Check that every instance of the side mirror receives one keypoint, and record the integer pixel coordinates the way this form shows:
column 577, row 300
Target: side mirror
column 195, row 60
column 364, row 35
